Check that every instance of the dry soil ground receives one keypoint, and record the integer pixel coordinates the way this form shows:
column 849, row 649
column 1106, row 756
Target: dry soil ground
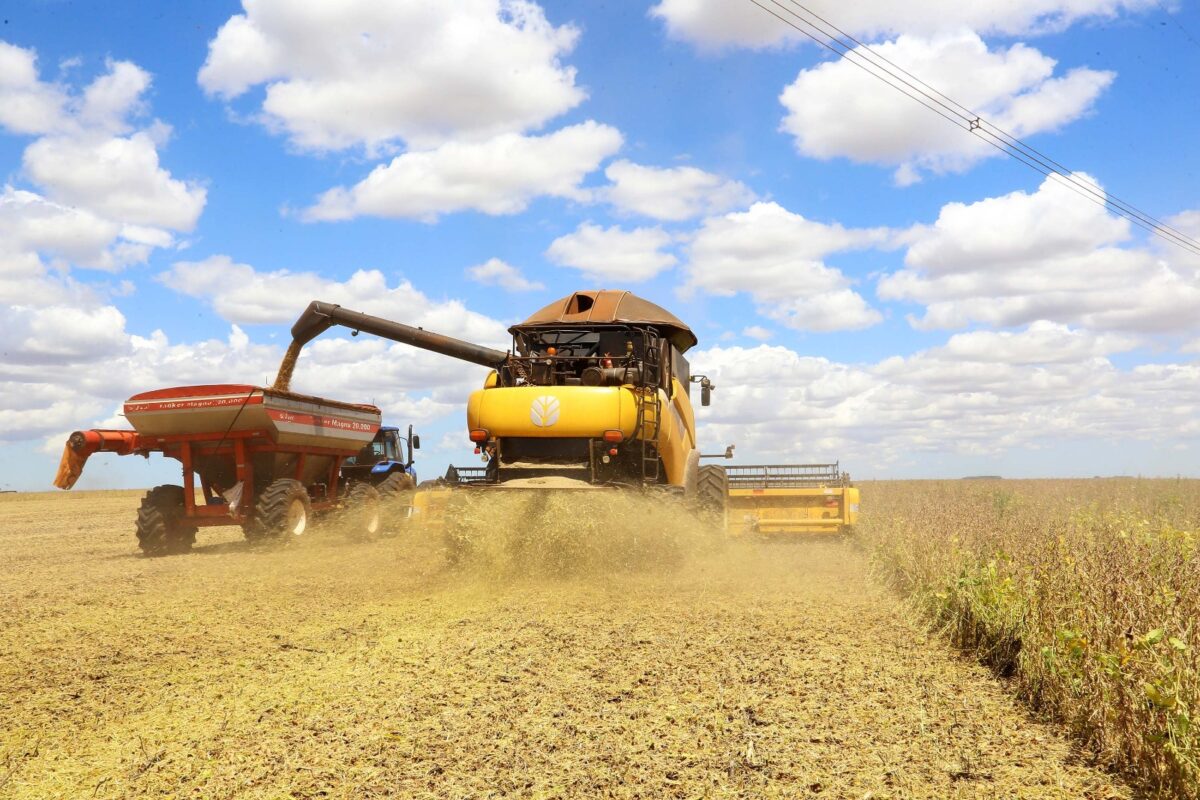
column 328, row 669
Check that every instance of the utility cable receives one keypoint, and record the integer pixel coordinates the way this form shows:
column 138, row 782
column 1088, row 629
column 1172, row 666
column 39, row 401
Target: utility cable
column 862, row 56
column 980, row 126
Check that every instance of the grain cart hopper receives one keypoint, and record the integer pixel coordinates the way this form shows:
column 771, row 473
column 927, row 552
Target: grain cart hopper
column 593, row 394
column 266, row 459
column 790, row 499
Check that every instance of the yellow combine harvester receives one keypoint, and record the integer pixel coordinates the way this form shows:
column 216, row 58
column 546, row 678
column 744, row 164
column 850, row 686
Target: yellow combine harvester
column 777, row 499
column 595, row 393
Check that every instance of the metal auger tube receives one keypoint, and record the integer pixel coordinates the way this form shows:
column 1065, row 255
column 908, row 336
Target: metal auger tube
column 320, row 317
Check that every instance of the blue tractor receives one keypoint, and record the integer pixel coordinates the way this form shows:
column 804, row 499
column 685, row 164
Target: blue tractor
column 386, row 463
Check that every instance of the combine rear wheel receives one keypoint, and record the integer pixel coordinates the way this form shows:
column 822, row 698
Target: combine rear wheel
column 361, row 512
column 161, row 528
column 283, row 510
column 712, row 494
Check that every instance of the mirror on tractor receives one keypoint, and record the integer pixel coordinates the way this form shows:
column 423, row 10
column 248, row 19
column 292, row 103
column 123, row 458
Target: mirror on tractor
column 416, row 442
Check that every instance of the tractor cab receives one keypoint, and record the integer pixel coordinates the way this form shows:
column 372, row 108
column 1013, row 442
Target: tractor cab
column 387, row 453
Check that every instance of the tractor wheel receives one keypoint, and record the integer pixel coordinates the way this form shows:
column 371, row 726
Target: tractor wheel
column 361, row 514
column 397, row 491
column 283, row 510
column 396, row 483
column 712, row 493
column 161, row 528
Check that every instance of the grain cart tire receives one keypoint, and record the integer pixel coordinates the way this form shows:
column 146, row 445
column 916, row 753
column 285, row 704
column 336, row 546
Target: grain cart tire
column 712, row 493
column 283, row 510
column 161, row 529
column 361, row 512
column 397, row 492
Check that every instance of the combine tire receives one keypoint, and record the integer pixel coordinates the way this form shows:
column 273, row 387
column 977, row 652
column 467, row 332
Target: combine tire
column 361, row 513
column 712, row 493
column 283, row 511
column 397, row 492
column 161, row 529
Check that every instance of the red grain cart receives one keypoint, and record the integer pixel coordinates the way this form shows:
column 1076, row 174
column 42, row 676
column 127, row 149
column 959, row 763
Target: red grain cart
column 267, row 460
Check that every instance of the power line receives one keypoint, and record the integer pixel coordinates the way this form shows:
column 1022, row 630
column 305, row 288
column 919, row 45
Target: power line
column 978, row 125
column 1178, row 24
column 903, row 81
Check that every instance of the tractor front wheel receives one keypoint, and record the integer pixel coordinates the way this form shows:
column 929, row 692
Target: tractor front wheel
column 361, row 513
column 283, row 510
column 396, row 492
column 161, row 527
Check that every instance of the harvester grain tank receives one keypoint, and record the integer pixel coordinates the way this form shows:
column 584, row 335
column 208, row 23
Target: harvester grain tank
column 594, row 393
column 267, row 460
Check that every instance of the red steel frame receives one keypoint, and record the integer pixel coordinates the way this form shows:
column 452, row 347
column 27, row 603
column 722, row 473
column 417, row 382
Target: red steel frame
column 242, row 446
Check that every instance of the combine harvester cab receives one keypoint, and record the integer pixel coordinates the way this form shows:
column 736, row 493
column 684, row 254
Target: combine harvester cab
column 266, row 459
column 796, row 499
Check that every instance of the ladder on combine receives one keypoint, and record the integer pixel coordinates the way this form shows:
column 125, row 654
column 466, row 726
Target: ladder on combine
column 649, row 412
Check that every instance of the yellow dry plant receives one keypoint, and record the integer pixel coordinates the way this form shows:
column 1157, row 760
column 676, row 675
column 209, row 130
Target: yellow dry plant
column 1085, row 592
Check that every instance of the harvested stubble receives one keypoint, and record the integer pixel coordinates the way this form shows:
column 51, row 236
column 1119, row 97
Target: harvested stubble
column 339, row 670
column 1086, row 592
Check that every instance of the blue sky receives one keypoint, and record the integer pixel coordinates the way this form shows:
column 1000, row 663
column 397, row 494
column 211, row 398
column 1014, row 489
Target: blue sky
column 865, row 285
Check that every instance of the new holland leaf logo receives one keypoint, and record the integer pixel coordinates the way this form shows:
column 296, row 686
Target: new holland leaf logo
column 544, row 411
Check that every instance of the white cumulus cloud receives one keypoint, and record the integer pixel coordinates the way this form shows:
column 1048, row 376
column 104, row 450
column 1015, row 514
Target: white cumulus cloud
column 613, row 256
column 27, row 104
column 720, row 23
column 242, row 294
column 368, row 73
column 1042, row 342
column 758, row 332
column 836, row 110
column 497, row 176
column 961, row 398
column 118, row 177
column 672, row 194
column 777, row 257
column 495, row 272
column 91, row 157
column 1047, row 255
